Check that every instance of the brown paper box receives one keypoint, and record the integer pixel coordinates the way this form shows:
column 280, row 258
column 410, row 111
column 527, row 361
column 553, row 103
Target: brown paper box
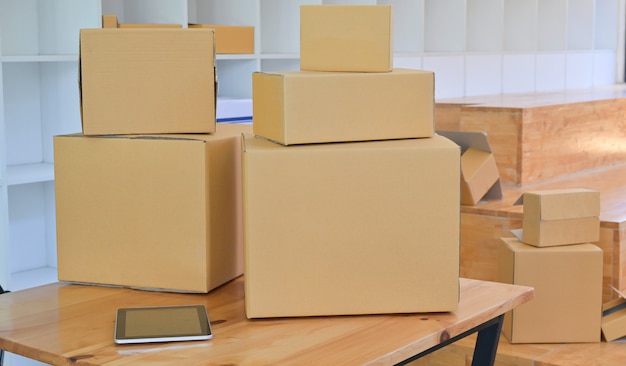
column 346, row 38
column 230, row 39
column 568, row 292
column 147, row 81
column 301, row 107
column 159, row 212
column 561, row 217
column 351, row 228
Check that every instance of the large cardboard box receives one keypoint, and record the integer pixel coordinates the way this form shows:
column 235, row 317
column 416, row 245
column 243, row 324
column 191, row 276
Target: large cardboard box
column 346, row 38
column 561, row 217
column 351, row 228
column 231, row 39
column 301, row 107
column 147, row 81
column 568, row 292
column 158, row 212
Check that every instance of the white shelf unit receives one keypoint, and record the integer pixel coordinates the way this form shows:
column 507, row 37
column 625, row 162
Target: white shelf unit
column 474, row 47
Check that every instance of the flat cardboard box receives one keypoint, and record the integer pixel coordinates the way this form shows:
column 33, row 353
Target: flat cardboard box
column 110, row 21
column 567, row 307
column 614, row 319
column 353, row 38
column 152, row 212
column 301, row 107
column 231, row 39
column 147, row 81
column 351, row 228
column 480, row 178
column 561, row 217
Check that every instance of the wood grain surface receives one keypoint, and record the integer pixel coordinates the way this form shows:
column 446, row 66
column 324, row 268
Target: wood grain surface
column 69, row 324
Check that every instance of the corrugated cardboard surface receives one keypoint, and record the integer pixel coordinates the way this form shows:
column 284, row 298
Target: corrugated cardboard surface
column 479, row 173
column 302, row 107
column 562, row 204
column 568, row 292
column 159, row 212
column 614, row 320
column 561, row 217
column 346, row 38
column 561, row 232
column 230, row 39
column 147, row 81
column 351, row 228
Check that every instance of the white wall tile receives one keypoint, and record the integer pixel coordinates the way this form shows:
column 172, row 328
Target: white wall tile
column 550, row 72
column 579, row 70
column 518, row 73
column 449, row 75
column 409, row 62
column 604, row 72
column 483, row 74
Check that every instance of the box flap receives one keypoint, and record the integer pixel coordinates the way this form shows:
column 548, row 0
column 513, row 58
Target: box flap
column 477, row 140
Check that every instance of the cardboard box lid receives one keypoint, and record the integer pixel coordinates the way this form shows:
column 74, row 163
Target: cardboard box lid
column 346, row 38
column 560, row 204
column 143, row 81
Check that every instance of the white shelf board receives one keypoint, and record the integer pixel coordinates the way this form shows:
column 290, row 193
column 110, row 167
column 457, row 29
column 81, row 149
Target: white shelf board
column 32, row 278
column 39, row 58
column 280, row 56
column 246, row 56
column 30, row 173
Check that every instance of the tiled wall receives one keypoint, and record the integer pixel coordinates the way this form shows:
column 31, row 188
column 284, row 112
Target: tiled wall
column 471, row 74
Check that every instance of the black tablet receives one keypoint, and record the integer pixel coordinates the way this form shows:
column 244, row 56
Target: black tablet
column 162, row 324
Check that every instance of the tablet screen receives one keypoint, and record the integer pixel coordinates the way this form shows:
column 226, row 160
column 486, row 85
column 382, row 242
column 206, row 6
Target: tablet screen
column 162, row 324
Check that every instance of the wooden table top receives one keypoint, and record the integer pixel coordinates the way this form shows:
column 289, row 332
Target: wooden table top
column 68, row 324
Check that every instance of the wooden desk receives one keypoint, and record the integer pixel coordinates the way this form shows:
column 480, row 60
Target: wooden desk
column 65, row 324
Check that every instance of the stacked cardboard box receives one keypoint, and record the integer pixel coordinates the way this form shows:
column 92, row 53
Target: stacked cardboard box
column 554, row 254
column 351, row 202
column 149, row 194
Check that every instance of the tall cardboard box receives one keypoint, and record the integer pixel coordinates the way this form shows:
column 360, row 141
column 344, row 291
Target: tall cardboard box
column 301, row 107
column 351, row 228
column 567, row 307
column 561, row 217
column 354, row 38
column 147, row 81
column 157, row 212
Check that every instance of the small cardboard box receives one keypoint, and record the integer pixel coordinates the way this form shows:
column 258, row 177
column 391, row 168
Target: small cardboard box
column 156, row 212
column 231, row 39
column 614, row 319
column 567, row 307
column 301, row 107
column 351, row 228
column 147, row 81
column 346, row 38
column 561, row 217
column 480, row 177
column 479, row 173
